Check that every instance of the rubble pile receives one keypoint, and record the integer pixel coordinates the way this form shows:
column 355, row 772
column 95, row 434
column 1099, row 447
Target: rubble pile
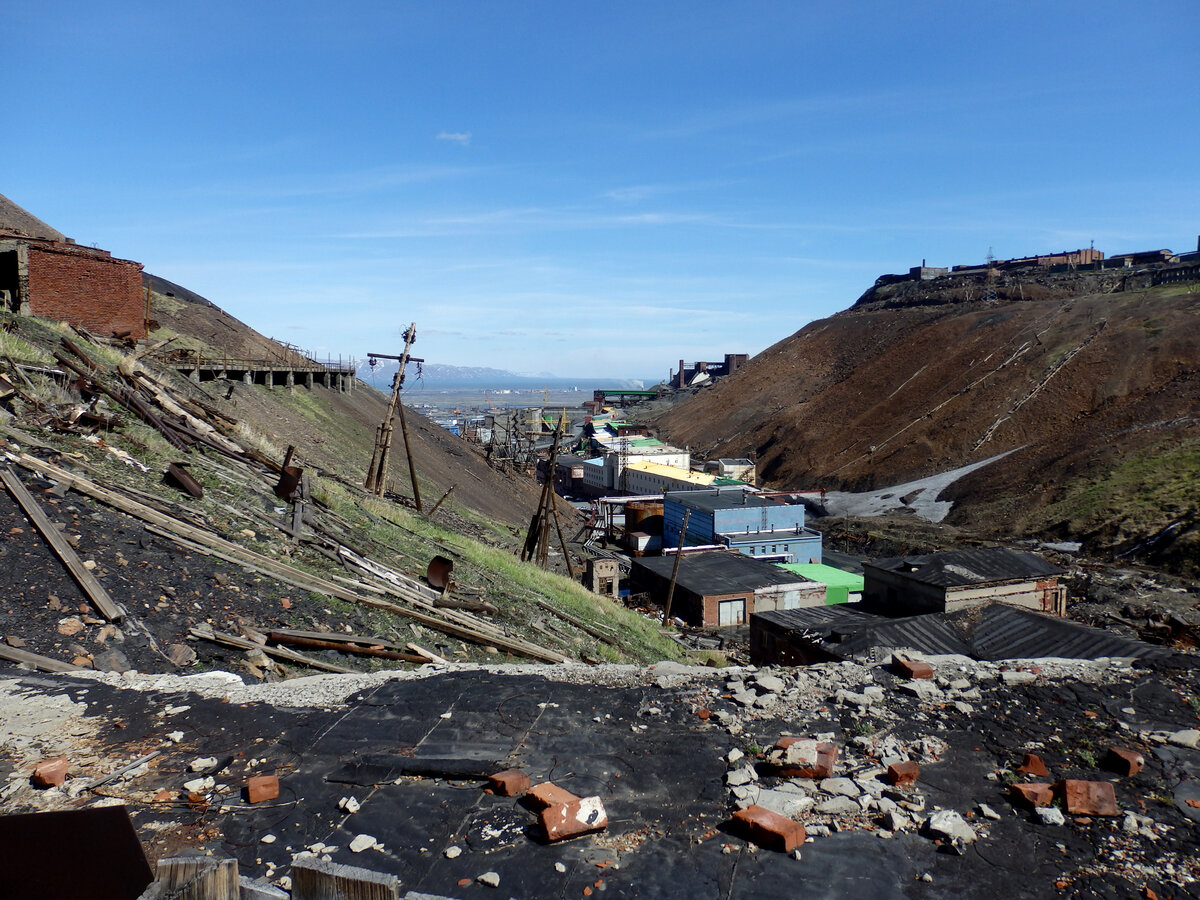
column 1072, row 780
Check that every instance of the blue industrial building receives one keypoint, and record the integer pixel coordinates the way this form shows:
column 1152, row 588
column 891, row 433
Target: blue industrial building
column 767, row 527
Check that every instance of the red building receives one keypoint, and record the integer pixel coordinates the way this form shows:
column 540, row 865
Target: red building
column 44, row 273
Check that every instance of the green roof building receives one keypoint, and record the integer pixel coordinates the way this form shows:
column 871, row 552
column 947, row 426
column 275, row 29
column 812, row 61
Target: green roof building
column 840, row 586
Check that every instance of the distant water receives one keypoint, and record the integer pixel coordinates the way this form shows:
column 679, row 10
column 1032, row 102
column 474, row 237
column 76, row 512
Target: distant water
column 553, row 393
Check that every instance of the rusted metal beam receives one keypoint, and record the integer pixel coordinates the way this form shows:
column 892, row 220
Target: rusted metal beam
column 182, row 479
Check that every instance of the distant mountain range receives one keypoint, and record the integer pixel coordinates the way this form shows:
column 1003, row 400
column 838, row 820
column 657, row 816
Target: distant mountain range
column 439, row 375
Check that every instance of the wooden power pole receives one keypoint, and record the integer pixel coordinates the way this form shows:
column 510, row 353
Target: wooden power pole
column 377, row 473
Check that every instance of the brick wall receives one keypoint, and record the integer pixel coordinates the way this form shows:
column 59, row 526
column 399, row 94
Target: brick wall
column 88, row 288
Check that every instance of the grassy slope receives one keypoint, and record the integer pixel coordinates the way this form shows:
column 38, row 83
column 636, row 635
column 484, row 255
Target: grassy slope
column 395, row 535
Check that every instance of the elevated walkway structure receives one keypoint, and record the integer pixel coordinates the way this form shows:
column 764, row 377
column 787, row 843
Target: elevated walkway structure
column 336, row 375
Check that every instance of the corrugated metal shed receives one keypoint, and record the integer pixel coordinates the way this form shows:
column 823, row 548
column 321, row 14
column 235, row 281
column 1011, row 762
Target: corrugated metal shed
column 1005, row 632
column 959, row 568
column 993, row 632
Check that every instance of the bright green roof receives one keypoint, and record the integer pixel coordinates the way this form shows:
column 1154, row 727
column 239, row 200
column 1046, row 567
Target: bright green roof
column 825, row 575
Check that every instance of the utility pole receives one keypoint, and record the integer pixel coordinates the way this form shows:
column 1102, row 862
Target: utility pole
column 687, row 514
column 377, row 473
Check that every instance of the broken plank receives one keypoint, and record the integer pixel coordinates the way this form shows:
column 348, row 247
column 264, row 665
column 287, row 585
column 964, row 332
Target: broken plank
column 372, row 650
column 41, row 663
column 87, row 581
column 450, row 624
column 571, row 620
column 232, row 640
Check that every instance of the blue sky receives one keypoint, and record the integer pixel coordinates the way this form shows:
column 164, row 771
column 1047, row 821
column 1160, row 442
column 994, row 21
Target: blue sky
column 589, row 188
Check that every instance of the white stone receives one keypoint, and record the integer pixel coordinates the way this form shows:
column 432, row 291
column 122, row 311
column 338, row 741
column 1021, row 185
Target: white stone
column 203, row 764
column 491, row 879
column 987, row 812
column 949, row 824
column 452, row 852
column 772, row 683
column 560, row 867
column 349, row 804
column 1050, row 815
column 200, row 785
column 362, row 842
column 1189, row 737
column 744, row 775
column 1011, row 677
column 843, row 786
column 175, row 737
column 837, row 806
column 268, row 839
column 734, row 756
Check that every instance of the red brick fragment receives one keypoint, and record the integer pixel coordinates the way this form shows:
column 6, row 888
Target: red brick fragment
column 769, row 829
column 903, row 773
column 1124, row 762
column 1032, row 794
column 1032, row 764
column 704, row 713
column 549, row 794
column 509, row 783
column 261, row 787
column 51, row 772
column 1088, row 798
column 812, row 760
column 910, row 669
column 583, row 815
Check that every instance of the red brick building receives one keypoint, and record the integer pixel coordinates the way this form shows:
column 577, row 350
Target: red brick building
column 43, row 273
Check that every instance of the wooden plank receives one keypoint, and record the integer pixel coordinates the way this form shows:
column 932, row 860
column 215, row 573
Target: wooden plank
column 41, row 663
column 87, row 581
column 372, row 650
column 448, row 625
column 232, row 640
column 319, row 879
column 582, row 626
column 194, row 878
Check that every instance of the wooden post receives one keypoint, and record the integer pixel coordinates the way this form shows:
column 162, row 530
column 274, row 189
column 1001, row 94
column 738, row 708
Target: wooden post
column 377, row 473
column 687, row 514
column 412, row 469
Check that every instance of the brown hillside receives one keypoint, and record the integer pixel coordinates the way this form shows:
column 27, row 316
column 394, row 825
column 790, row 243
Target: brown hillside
column 338, row 432
column 1090, row 387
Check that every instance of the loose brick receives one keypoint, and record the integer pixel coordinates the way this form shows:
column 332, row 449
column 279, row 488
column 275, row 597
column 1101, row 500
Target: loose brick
column 903, row 773
column 582, row 815
column 769, row 829
column 1088, row 798
column 261, row 787
column 509, row 783
column 50, row 772
column 1124, row 762
column 907, row 668
column 795, row 757
column 549, row 794
column 1032, row 764
column 1032, row 794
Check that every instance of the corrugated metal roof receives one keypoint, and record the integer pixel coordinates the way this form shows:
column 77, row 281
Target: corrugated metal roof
column 718, row 572
column 959, row 568
column 1004, row 632
column 992, row 632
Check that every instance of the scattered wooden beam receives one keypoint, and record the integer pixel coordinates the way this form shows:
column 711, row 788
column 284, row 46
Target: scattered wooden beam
column 358, row 649
column 581, row 625
column 207, row 633
column 86, row 580
column 454, row 623
column 194, row 878
column 183, row 479
column 319, row 879
column 41, row 663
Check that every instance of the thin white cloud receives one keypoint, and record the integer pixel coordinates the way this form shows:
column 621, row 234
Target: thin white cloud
column 462, row 138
